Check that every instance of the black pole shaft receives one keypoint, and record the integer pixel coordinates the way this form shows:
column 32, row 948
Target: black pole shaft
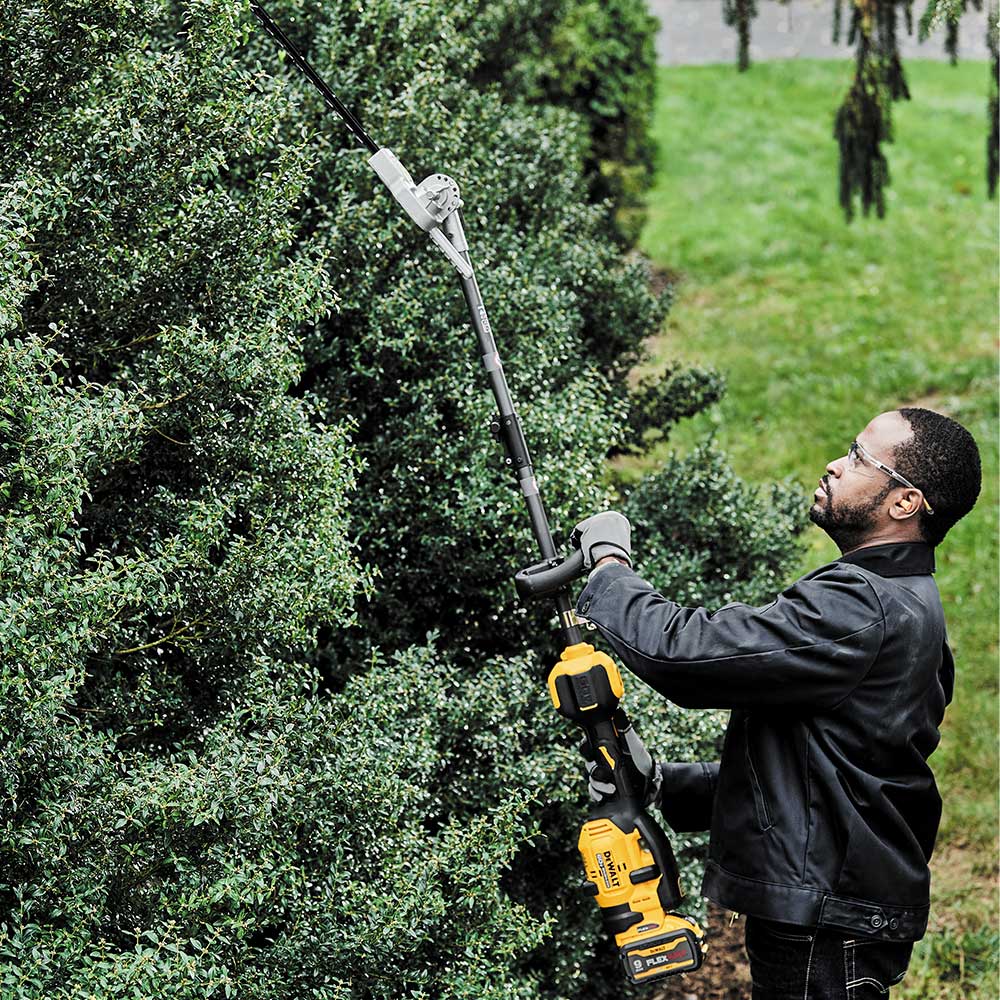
column 314, row 78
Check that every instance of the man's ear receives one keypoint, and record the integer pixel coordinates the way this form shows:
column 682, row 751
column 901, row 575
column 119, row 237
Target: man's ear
column 906, row 505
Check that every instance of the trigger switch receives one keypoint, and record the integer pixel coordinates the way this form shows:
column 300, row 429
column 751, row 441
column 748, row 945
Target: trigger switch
column 646, row 874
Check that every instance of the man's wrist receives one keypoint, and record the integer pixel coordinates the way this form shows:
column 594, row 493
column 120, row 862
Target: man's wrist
column 603, row 561
column 607, row 559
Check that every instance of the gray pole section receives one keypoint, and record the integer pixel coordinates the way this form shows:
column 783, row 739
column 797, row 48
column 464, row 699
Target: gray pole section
column 510, row 431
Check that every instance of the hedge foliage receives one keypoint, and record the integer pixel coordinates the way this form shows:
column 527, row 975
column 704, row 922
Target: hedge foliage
column 707, row 538
column 271, row 720
column 598, row 58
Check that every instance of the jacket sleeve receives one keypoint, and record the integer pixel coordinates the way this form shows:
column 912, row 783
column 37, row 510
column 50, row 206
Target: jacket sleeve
column 687, row 794
column 807, row 649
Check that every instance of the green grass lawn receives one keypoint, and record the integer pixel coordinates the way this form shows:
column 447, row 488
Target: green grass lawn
column 819, row 325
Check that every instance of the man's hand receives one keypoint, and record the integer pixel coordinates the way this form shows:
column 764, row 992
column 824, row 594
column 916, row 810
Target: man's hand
column 600, row 781
column 601, row 535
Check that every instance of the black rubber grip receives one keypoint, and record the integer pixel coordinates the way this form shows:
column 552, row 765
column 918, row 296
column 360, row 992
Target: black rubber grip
column 646, row 874
column 618, row 919
column 549, row 576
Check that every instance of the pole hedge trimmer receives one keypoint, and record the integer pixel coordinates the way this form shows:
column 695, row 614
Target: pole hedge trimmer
column 628, row 860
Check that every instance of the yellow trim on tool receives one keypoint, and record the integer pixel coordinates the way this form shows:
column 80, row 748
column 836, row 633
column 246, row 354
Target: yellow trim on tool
column 577, row 659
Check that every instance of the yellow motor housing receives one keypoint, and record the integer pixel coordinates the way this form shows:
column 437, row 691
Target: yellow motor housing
column 625, row 879
column 628, row 860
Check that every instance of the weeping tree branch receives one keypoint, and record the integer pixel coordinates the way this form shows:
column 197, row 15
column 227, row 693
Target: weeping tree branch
column 864, row 120
column 861, row 126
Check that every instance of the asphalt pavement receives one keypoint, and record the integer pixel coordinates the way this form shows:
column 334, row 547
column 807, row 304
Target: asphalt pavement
column 693, row 32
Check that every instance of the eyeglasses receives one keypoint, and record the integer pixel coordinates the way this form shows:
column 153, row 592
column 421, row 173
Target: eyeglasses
column 858, row 455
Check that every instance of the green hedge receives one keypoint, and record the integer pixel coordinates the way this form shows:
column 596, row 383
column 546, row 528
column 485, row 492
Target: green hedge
column 273, row 723
column 596, row 57
column 707, row 538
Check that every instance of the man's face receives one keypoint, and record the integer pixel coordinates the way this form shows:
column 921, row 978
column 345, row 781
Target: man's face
column 851, row 504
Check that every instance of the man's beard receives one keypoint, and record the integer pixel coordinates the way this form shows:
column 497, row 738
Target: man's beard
column 847, row 524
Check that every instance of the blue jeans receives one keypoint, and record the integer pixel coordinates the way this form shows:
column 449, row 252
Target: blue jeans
column 788, row 962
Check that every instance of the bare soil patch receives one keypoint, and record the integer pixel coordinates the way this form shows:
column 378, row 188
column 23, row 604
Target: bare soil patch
column 726, row 972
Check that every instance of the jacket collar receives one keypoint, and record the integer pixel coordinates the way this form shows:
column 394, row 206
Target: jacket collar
column 894, row 558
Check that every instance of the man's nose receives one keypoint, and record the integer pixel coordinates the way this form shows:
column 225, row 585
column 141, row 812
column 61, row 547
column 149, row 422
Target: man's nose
column 836, row 466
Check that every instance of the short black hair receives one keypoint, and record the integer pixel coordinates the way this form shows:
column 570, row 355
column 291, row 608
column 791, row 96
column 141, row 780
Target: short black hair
column 942, row 459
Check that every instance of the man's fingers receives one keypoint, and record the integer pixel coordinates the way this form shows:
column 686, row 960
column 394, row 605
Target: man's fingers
column 599, row 772
column 598, row 793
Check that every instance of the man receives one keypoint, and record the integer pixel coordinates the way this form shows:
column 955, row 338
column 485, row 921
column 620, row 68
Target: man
column 823, row 811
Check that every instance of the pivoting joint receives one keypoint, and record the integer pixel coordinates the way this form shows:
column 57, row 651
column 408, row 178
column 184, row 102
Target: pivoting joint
column 428, row 204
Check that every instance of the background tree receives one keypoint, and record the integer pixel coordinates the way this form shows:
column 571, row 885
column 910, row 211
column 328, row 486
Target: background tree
column 739, row 14
column 864, row 120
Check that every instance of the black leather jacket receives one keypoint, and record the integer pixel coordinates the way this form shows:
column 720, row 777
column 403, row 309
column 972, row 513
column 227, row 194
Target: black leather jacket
column 823, row 810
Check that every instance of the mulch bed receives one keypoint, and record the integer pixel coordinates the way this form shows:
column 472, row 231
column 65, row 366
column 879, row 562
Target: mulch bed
column 726, row 972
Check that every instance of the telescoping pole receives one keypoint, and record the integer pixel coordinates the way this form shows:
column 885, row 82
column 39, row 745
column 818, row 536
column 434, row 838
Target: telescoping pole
column 507, row 427
column 435, row 206
column 627, row 858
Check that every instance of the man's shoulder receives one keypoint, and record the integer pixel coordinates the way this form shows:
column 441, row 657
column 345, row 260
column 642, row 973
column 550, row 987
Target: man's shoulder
column 840, row 572
column 840, row 588
column 837, row 572
column 844, row 584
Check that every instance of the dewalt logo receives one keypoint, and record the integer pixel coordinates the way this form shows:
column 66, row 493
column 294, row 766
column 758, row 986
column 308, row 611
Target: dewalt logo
column 606, row 866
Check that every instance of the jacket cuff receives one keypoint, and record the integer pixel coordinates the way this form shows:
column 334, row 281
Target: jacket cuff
column 687, row 795
column 598, row 582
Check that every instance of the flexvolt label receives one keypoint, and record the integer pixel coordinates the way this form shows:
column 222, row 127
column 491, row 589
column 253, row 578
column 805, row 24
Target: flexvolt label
column 606, row 866
column 645, row 962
